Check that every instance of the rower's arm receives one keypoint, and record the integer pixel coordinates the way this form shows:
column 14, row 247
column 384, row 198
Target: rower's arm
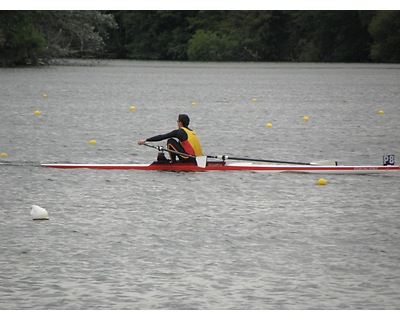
column 160, row 137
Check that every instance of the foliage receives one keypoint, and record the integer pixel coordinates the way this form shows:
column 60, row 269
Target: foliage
column 20, row 42
column 27, row 36
column 321, row 36
column 70, row 33
column 385, row 30
column 262, row 35
column 208, row 46
column 330, row 36
column 248, row 35
column 161, row 35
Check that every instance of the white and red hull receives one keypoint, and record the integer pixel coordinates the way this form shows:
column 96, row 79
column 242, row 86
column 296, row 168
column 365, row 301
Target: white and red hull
column 224, row 166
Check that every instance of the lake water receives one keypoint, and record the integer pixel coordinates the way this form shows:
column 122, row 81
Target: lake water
column 213, row 240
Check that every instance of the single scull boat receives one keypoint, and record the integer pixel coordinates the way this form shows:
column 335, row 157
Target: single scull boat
column 219, row 163
column 224, row 166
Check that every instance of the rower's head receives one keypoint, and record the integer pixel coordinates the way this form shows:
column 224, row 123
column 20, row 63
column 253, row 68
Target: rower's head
column 183, row 120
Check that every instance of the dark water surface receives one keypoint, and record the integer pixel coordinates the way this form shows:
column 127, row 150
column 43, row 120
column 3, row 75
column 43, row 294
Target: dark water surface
column 214, row 240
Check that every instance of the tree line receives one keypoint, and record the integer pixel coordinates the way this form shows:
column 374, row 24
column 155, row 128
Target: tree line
column 32, row 37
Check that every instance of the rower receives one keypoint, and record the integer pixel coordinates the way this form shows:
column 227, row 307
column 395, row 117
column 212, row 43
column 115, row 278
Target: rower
column 182, row 140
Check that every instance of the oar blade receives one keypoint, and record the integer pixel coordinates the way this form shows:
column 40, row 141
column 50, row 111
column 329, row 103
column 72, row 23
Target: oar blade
column 201, row 161
column 330, row 163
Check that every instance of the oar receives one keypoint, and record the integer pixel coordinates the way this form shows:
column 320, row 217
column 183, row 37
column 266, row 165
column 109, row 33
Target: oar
column 318, row 163
column 202, row 160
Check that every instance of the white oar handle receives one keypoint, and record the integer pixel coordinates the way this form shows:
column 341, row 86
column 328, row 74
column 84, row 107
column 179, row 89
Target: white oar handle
column 159, row 148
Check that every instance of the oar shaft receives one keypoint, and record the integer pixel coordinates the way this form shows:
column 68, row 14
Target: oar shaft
column 223, row 157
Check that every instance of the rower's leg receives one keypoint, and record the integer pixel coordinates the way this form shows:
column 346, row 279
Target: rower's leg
column 172, row 144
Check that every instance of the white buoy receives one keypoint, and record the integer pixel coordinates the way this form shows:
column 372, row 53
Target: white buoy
column 39, row 213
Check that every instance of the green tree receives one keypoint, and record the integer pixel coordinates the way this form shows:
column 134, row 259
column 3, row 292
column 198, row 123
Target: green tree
column 161, row 35
column 385, row 31
column 330, row 36
column 321, row 36
column 247, row 29
column 256, row 35
column 243, row 35
column 209, row 46
column 261, row 35
column 75, row 33
column 27, row 36
column 20, row 42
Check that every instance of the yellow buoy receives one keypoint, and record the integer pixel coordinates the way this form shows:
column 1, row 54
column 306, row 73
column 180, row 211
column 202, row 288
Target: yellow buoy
column 381, row 112
column 268, row 125
column 37, row 112
column 194, row 103
column 322, row 182
column 305, row 118
column 3, row 154
column 132, row 108
column 44, row 95
column 92, row 142
column 254, row 100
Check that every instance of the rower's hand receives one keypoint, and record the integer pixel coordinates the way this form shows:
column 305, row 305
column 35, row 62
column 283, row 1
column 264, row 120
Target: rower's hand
column 141, row 142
